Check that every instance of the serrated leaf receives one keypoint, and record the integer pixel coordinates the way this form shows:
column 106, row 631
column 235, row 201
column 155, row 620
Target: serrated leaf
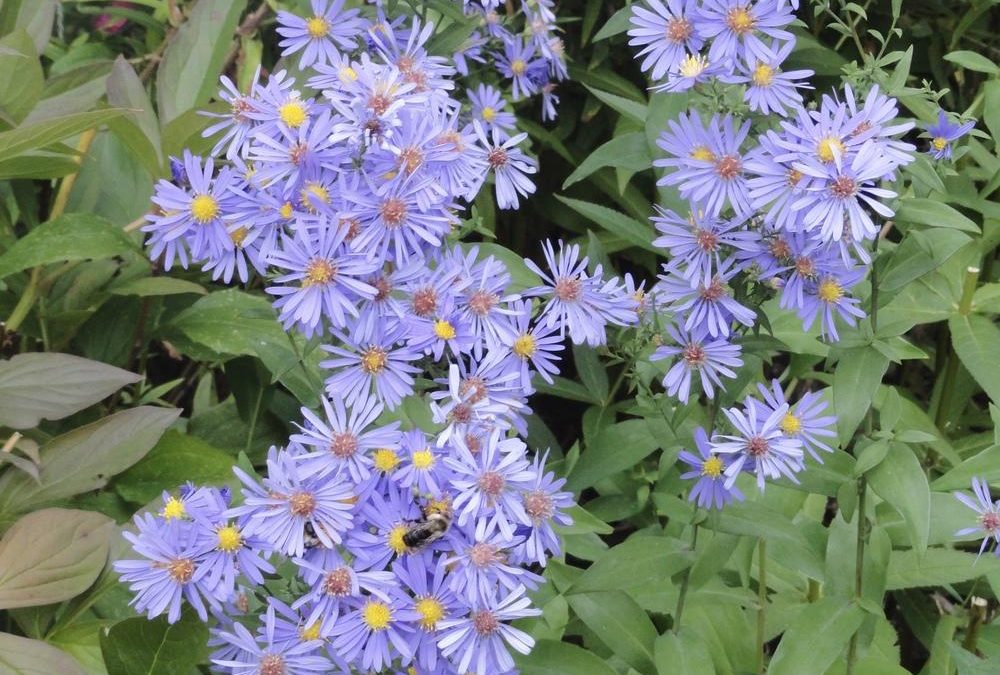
column 74, row 236
column 48, row 385
column 52, row 555
column 141, row 646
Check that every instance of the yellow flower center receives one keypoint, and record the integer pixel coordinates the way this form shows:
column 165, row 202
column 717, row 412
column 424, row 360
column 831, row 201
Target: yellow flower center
column 376, row 615
column 238, row 235
column 791, row 424
column 311, row 193
column 524, row 346
column 693, row 65
column 431, row 611
column 489, row 114
column 386, row 459
column 712, row 467
column 518, row 66
column 394, row 540
column 444, row 329
column 204, row 208
column 229, row 538
column 347, row 74
column 173, row 509
column 318, row 273
column 940, row 143
column 702, row 153
column 374, row 360
column 310, row 632
column 317, row 27
column 739, row 20
column 830, row 291
column 829, row 148
column 286, row 210
column 292, row 113
column 763, row 74
column 423, row 459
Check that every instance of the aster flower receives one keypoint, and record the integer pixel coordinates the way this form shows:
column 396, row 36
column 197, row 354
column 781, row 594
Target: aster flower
column 170, row 570
column 481, row 564
column 461, row 407
column 544, row 502
column 986, row 509
column 489, row 108
column 666, row 32
column 531, row 347
column 770, row 89
column 735, row 27
column 827, row 299
column 375, row 630
column 775, row 186
column 759, row 446
column 379, row 365
column 475, row 643
column 693, row 69
column 433, row 602
column 279, row 509
column 698, row 240
column 264, row 655
column 710, row 490
column 336, row 586
column 344, row 438
column 422, row 468
column 385, row 518
column 325, row 277
column 943, row 135
column 509, row 165
column 515, row 63
column 229, row 553
column 236, row 125
column 697, row 352
column 706, row 305
column 319, row 36
column 446, row 330
column 292, row 153
column 877, row 121
column 804, row 419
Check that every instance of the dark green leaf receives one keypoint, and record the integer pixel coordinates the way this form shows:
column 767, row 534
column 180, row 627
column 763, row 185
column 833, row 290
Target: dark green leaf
column 683, row 653
column 139, row 129
column 142, row 646
column 936, row 566
column 933, row 213
column 42, row 134
column 175, row 459
column 74, row 236
column 858, row 375
column 151, row 286
column 816, row 638
column 639, row 566
column 621, row 624
column 550, row 657
column 616, row 448
column 633, row 231
column 629, row 151
column 972, row 61
column 616, row 25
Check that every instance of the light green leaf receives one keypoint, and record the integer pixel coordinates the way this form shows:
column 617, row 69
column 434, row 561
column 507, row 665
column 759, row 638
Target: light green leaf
column 900, row 480
column 591, row 371
column 21, row 77
column 189, row 73
column 753, row 519
column 42, row 134
column 48, row 385
column 52, row 555
column 551, row 657
column 984, row 464
column 922, row 251
column 816, row 638
column 74, row 236
column 632, row 109
column 633, row 231
column 175, row 459
column 141, row 646
column 638, row 566
column 628, row 151
column 972, row 61
column 976, row 340
column 21, row 656
column 152, row 286
column 618, row 621
column 683, row 653
column 933, row 213
column 568, row 389
column 139, row 129
column 936, row 566
column 858, row 374
column 616, row 25
column 616, row 448
column 34, row 16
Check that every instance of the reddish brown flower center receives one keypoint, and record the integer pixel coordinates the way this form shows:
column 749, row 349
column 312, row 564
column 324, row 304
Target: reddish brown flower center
column 483, row 555
column 181, row 570
column 472, row 389
column 757, row 446
column 728, row 167
column 538, row 505
column 353, row 227
column 461, row 413
column 379, row 103
column 679, row 30
column 805, row 266
column 780, row 248
column 843, row 187
column 338, row 582
column 302, row 503
column 271, row 664
column 410, row 159
column 497, row 158
column 492, row 483
column 482, row 302
column 990, row 521
column 484, row 622
column 707, row 240
column 693, row 355
column 344, row 445
column 383, row 287
column 568, row 289
column 297, row 153
column 393, row 211
column 713, row 291
column 472, row 443
column 424, row 301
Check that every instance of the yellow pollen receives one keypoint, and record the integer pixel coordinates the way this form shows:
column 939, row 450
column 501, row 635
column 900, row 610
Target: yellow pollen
column 292, row 113
column 317, row 27
column 376, row 615
column 444, row 330
column 230, row 540
column 238, row 235
column 438, row 505
column 762, row 75
column 373, row 360
column 309, row 633
column 940, row 143
column 739, row 20
column 313, row 192
column 173, row 509
column 790, row 424
column 524, row 346
column 431, row 611
column 204, row 208
column 712, row 467
column 702, row 153
column 347, row 74
column 286, row 210
column 489, row 114
column 423, row 459
column 829, row 148
column 518, row 66
column 394, row 540
column 318, row 273
column 830, row 291
column 386, row 459
column 693, row 65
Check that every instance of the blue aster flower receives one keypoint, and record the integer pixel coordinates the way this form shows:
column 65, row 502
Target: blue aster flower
column 706, row 305
column 698, row 241
column 335, row 586
column 544, row 503
column 736, row 26
column 321, row 36
column 827, row 299
column 709, row 491
column 944, row 133
column 987, row 512
column 422, row 467
column 432, row 601
column 531, row 347
column 375, row 631
column 666, row 32
column 758, row 445
column 698, row 353
column 379, row 365
column 516, row 63
column 509, row 164
column 264, row 655
column 489, row 107
column 481, row 564
column 383, row 520
column 803, row 420
column 769, row 88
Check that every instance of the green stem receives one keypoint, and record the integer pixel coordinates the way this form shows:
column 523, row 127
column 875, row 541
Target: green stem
column 685, row 583
column 977, row 615
column 762, row 601
column 951, row 371
column 859, row 568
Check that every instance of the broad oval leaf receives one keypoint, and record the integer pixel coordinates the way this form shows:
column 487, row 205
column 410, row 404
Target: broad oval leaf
column 936, row 566
column 621, row 624
column 48, row 385
column 640, row 566
column 550, row 657
column 816, row 638
column 616, row 448
column 52, row 555
column 858, row 374
column 141, row 646
column 74, row 236
column 683, row 652
column 900, row 480
column 86, row 458
column 176, row 458
column 976, row 340
column 23, row 656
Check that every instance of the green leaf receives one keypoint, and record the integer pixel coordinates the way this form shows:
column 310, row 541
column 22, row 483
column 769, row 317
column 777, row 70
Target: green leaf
column 189, row 73
column 52, row 555
column 633, row 231
column 987, row 299
column 632, row 109
column 621, row 624
column 591, row 371
column 568, row 389
column 37, row 386
column 984, row 464
column 919, row 253
column 936, row 566
column 976, row 340
column 139, row 129
column 152, row 286
column 176, row 458
column 817, row 637
column 616, row 25
column 42, row 134
column 753, row 519
column 629, row 151
column 900, row 480
column 638, row 566
column 972, row 61
column 551, row 657
column 858, row 374
column 21, row 77
column 870, row 456
column 21, row 656
column 36, row 17
column 583, row 522
column 616, row 448
column 141, row 646
column 683, row 653
column 74, row 236
column 933, row 213
column 86, row 458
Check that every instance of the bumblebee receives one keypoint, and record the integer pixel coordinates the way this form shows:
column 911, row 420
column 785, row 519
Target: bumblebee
column 434, row 523
column 310, row 538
